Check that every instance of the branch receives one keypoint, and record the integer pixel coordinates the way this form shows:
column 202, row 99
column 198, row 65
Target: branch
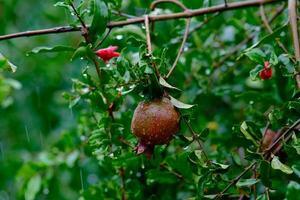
column 294, row 28
column 247, row 39
column 185, row 36
column 178, row 3
column 292, row 127
column 84, row 28
column 205, row 21
column 123, row 189
column 264, row 18
column 148, row 37
column 195, row 137
column 136, row 20
column 103, row 38
column 235, row 180
column 269, row 29
column 186, row 32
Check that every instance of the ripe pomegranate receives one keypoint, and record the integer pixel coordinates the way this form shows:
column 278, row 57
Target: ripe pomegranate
column 154, row 123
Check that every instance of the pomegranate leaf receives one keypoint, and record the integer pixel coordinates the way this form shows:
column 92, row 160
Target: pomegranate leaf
column 276, row 164
column 164, row 83
column 179, row 104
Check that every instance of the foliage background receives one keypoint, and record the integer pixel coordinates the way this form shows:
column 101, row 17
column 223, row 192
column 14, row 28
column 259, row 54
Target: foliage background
column 51, row 149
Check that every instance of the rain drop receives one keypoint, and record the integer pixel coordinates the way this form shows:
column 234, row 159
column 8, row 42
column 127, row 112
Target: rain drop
column 119, row 37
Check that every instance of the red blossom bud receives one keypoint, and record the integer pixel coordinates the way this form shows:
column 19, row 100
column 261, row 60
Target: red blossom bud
column 107, row 53
column 266, row 72
column 267, row 64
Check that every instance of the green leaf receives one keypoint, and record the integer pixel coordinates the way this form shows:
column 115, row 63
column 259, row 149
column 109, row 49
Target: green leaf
column 33, row 187
column 50, row 49
column 294, row 105
column 256, row 55
column 64, row 5
column 265, row 171
column 287, row 66
column 254, row 72
column 100, row 19
column 156, row 176
column 246, row 182
column 276, row 164
column 164, row 83
column 267, row 38
column 296, row 170
column 179, row 104
column 210, row 196
column 6, row 65
column 293, row 191
column 71, row 158
column 83, row 52
column 248, row 135
column 296, row 143
column 274, row 59
column 222, row 166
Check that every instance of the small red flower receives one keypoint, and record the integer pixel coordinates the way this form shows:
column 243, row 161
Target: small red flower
column 266, row 72
column 107, row 53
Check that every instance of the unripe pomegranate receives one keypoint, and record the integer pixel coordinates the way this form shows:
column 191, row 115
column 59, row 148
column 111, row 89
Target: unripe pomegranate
column 154, row 123
column 268, row 139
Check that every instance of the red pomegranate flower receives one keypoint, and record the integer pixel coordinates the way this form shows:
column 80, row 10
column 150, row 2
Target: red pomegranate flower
column 266, row 72
column 107, row 53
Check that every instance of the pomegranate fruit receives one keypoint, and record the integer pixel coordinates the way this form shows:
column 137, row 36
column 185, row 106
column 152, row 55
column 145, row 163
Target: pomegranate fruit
column 154, row 123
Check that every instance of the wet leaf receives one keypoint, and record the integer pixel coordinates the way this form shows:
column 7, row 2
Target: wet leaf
column 276, row 164
column 179, row 104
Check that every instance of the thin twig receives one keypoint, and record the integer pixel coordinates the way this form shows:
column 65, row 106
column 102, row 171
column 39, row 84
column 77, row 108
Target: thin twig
column 84, row 27
column 148, row 36
column 195, row 138
column 85, row 34
column 292, row 7
column 292, row 127
column 192, row 13
column 178, row 3
column 235, row 180
column 269, row 29
column 172, row 172
column 254, row 189
column 123, row 14
column 247, row 39
column 185, row 36
column 123, row 188
column 199, row 26
column 121, row 139
column 264, row 18
column 186, row 32
column 97, row 69
column 267, row 194
column 149, row 46
column 104, row 38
